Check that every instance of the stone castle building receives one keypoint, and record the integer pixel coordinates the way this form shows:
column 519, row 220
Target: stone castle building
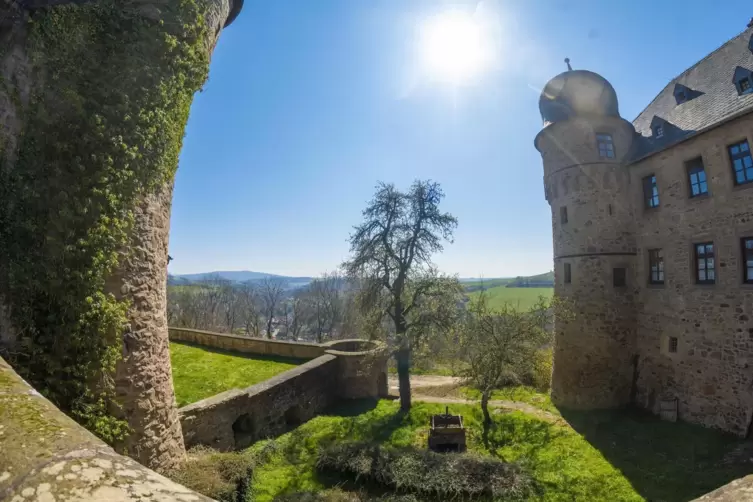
column 653, row 241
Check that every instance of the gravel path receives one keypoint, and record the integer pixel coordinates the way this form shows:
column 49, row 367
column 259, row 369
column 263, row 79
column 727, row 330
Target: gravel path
column 419, row 382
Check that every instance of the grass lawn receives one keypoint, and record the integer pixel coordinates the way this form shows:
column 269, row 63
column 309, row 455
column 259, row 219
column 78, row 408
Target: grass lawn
column 200, row 372
column 607, row 456
column 522, row 298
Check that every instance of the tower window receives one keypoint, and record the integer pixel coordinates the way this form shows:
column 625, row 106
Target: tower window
column 705, row 267
column 568, row 275
column 747, row 245
column 744, row 85
column 619, row 277
column 742, row 163
column 563, row 214
column 606, row 145
column 673, row 342
column 655, row 266
column 697, row 177
column 650, row 191
column 609, row 208
column 659, row 131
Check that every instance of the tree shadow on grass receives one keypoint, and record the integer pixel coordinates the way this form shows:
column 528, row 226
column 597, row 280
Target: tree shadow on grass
column 672, row 462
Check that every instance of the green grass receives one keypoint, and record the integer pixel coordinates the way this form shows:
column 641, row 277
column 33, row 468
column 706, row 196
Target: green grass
column 520, row 393
column 200, row 372
column 610, row 456
column 521, row 298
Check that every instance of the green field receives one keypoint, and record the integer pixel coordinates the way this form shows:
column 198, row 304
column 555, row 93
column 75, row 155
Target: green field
column 521, row 298
column 200, row 372
column 598, row 456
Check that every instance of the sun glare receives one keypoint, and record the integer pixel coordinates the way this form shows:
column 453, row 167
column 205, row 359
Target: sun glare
column 454, row 48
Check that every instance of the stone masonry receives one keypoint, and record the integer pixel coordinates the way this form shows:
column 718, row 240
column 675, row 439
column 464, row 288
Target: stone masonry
column 635, row 342
column 341, row 369
column 143, row 380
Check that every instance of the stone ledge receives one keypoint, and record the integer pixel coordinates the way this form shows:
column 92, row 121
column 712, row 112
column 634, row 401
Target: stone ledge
column 48, row 457
column 245, row 344
column 739, row 490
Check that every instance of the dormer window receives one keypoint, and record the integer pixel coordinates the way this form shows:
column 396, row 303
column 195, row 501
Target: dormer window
column 683, row 93
column 744, row 85
column 743, row 79
column 659, row 131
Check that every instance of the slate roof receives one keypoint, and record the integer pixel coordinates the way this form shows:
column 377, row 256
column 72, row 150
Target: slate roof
column 714, row 98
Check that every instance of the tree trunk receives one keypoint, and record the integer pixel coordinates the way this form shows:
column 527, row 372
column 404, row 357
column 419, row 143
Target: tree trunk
column 402, row 356
column 485, row 407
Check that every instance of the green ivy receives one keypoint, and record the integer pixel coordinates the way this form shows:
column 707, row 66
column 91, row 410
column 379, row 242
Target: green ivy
column 104, row 127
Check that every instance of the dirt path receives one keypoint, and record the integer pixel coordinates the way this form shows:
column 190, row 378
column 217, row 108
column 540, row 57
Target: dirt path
column 429, row 383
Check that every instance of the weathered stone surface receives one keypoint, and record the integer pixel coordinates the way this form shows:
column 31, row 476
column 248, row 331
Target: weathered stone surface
column 616, row 349
column 47, row 457
column 143, row 380
column 236, row 418
column 739, row 490
column 344, row 369
column 361, row 368
column 592, row 358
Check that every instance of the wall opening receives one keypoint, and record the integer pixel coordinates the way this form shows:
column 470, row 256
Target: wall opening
column 294, row 416
column 243, row 431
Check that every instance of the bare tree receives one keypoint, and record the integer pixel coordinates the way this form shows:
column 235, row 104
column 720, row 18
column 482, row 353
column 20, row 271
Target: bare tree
column 391, row 253
column 500, row 344
column 324, row 304
column 294, row 315
column 272, row 293
column 249, row 301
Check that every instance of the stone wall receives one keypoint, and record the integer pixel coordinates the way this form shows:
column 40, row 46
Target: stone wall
column 248, row 345
column 46, row 456
column 711, row 374
column 739, row 490
column 593, row 352
column 236, row 418
column 342, row 369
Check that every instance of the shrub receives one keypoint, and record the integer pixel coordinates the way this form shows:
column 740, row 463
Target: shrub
column 338, row 495
column 220, row 476
column 425, row 472
column 540, row 373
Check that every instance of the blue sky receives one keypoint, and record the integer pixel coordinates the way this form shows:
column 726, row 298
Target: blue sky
column 310, row 103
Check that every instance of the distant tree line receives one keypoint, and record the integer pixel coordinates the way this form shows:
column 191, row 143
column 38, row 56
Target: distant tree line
column 322, row 310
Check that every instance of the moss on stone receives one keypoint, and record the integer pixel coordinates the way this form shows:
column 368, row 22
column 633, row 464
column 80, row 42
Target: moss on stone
column 103, row 129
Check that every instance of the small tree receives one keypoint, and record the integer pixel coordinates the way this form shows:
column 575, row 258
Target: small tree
column 391, row 258
column 499, row 345
column 271, row 292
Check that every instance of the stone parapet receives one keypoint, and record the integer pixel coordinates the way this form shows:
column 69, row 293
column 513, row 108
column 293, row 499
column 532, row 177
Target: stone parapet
column 236, row 418
column 246, row 344
column 46, row 456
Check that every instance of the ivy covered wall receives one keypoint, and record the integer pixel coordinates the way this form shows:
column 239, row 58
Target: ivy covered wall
column 94, row 99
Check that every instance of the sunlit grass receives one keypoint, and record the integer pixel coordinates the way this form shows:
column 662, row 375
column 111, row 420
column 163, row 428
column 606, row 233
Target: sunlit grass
column 519, row 298
column 199, row 372
column 618, row 457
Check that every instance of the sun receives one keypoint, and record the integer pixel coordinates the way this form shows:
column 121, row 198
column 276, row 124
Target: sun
column 453, row 47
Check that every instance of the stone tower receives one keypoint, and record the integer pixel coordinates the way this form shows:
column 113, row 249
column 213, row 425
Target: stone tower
column 143, row 380
column 583, row 144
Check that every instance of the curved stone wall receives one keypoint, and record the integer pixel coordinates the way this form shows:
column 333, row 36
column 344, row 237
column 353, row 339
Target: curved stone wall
column 593, row 234
column 48, row 457
column 362, row 368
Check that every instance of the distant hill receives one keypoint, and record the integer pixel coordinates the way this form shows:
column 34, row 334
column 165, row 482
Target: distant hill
column 237, row 276
column 533, row 281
